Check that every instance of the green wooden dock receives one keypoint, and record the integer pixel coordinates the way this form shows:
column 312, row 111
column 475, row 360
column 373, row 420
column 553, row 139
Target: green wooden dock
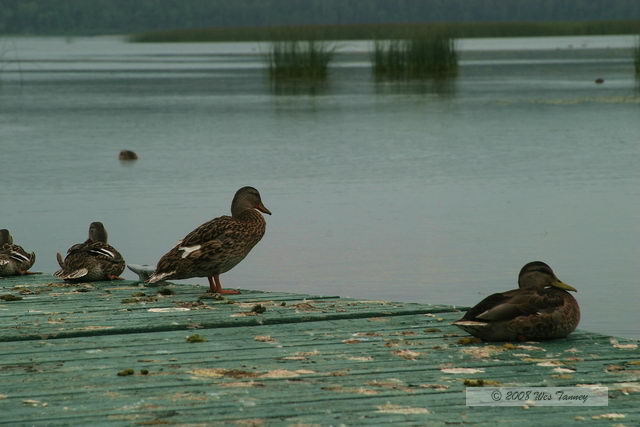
column 123, row 354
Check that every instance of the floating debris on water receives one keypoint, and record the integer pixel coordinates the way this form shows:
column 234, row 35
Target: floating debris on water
column 127, row 155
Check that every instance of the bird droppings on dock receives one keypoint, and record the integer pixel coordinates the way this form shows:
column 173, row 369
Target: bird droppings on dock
column 376, row 362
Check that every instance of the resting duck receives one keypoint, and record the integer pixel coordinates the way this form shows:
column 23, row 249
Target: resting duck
column 14, row 260
column 91, row 261
column 540, row 309
column 218, row 245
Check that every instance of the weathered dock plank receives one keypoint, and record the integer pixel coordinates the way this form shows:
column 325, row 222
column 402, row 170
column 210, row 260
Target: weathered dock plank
column 304, row 360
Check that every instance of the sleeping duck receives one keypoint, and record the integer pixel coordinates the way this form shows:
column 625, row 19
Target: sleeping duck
column 14, row 260
column 218, row 245
column 540, row 309
column 91, row 261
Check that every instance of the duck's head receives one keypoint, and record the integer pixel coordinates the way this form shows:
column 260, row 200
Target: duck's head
column 97, row 232
column 537, row 274
column 247, row 198
column 5, row 237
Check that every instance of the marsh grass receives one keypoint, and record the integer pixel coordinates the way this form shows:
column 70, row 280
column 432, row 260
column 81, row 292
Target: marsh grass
column 299, row 60
column 424, row 56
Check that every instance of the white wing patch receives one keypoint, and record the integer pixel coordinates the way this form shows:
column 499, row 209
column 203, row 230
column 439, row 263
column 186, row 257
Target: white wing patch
column 19, row 257
column 188, row 250
column 103, row 251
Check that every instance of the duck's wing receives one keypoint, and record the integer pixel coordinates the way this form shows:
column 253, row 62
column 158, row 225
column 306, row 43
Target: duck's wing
column 78, row 247
column 511, row 304
column 205, row 242
column 216, row 229
column 24, row 259
column 104, row 252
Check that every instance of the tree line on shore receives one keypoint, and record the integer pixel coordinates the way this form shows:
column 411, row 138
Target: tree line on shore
column 77, row 17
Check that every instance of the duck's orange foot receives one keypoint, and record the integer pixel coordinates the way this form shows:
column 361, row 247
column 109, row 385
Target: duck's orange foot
column 229, row 291
column 24, row 273
column 114, row 277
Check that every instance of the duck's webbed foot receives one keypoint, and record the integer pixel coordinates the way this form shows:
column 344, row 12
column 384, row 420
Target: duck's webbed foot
column 216, row 287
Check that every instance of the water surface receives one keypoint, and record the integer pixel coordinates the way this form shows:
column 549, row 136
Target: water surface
column 413, row 192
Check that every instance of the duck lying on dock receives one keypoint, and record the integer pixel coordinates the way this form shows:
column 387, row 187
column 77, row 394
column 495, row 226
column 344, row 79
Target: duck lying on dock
column 14, row 260
column 540, row 309
column 218, row 245
column 93, row 260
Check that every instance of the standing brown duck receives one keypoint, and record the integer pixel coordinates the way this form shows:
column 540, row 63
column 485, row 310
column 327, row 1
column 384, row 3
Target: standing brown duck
column 218, row 245
column 540, row 309
column 91, row 261
column 14, row 260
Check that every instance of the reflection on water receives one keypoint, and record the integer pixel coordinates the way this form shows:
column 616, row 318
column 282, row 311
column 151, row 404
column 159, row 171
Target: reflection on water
column 310, row 87
column 413, row 191
column 442, row 87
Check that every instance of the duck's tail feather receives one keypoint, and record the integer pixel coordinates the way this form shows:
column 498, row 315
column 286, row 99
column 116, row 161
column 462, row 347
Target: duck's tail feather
column 143, row 271
column 159, row 277
column 73, row 275
column 60, row 261
column 470, row 326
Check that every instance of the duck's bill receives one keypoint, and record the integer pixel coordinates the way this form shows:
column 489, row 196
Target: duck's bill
column 261, row 208
column 560, row 284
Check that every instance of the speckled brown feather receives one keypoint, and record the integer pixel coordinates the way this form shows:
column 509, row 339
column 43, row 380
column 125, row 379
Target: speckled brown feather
column 224, row 241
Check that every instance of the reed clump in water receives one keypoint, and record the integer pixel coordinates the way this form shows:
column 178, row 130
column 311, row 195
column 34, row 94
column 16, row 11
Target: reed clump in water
column 299, row 60
column 424, row 56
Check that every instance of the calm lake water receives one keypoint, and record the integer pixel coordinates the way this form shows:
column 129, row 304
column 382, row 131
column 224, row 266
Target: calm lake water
column 411, row 192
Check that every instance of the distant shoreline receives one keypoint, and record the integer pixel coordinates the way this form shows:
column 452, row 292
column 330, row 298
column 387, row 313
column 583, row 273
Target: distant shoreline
column 390, row 31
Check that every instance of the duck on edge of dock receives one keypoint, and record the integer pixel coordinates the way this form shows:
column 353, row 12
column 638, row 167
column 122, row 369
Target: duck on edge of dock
column 14, row 260
column 216, row 246
column 540, row 309
column 91, row 261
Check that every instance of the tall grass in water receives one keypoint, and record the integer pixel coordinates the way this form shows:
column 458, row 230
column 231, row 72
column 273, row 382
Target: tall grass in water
column 298, row 60
column 425, row 56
